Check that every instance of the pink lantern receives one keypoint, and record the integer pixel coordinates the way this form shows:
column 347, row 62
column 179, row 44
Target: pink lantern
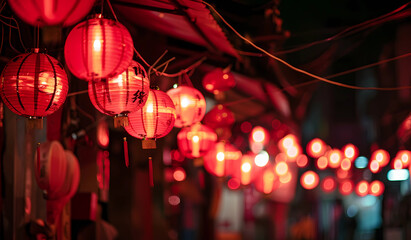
column 195, row 141
column 190, row 105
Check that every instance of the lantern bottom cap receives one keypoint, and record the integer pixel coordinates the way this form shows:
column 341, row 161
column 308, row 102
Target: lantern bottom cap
column 120, row 120
column 34, row 123
column 149, row 144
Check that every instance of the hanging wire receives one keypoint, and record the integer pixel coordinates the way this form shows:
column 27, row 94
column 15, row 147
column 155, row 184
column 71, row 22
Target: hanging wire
column 112, row 10
column 298, row 69
column 16, row 27
column 11, row 45
column 2, row 38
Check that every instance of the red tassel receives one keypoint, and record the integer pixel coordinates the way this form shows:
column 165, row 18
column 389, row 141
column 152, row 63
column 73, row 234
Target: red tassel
column 38, row 160
column 150, row 171
column 126, row 160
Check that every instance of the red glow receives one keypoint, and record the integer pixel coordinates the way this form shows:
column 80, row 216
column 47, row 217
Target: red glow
column 405, row 157
column 397, row 164
column 174, row 200
column 309, row 180
column 350, row 151
column 302, row 161
column 286, row 178
column 179, row 174
column 195, row 141
column 322, row 163
column 341, row 174
column 259, row 135
column 102, row 134
column 222, row 159
column 219, row 117
column 246, row 127
column 374, row 166
column 287, row 142
column 176, row 156
column 346, row 164
column 346, row 187
column 334, row 158
column 233, row 183
column 281, row 168
column 382, row 157
column 362, row 188
column 328, row 184
column 316, row 148
column 293, row 152
column 376, row 188
column 218, row 80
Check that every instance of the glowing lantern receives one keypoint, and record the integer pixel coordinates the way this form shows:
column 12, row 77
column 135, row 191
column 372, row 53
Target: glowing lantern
column 346, row 164
column 316, row 148
column 245, row 169
column 103, row 138
column 382, row 157
column 33, row 85
column 221, row 159
column 267, row 180
column 98, row 48
column 405, row 157
column 190, row 105
column 261, row 159
column 218, row 80
column 195, row 141
column 376, row 188
column 350, row 151
column 362, row 188
column 219, row 117
column 346, row 187
column 374, row 166
column 154, row 120
column 281, row 168
column 309, row 180
column 120, row 95
column 179, row 174
column 328, row 184
column 322, row 163
column 287, row 142
column 334, row 158
column 302, row 161
column 397, row 164
column 47, row 13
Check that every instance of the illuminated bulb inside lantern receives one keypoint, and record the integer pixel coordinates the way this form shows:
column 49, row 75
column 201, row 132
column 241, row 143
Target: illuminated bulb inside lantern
column 97, row 45
column 220, row 156
column 346, row 164
column 119, row 80
column 398, row 164
column 225, row 76
column 281, row 168
column 374, row 166
column 150, row 108
column 196, row 139
column 258, row 136
column 379, row 157
column 316, row 147
column 292, row 152
column 185, row 102
column 261, row 159
column 246, row 167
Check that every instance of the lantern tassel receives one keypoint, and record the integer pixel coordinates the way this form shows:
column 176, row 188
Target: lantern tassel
column 150, row 171
column 120, row 121
column 38, row 167
column 126, row 159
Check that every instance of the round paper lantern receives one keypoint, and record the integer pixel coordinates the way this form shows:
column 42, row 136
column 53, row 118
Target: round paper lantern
column 218, row 80
column 309, row 180
column 266, row 181
column 245, row 170
column 51, row 168
column 219, row 117
column 98, row 48
column 316, row 148
column 190, row 105
column 155, row 119
column 195, row 141
column 33, row 85
column 219, row 160
column 120, row 95
column 47, row 13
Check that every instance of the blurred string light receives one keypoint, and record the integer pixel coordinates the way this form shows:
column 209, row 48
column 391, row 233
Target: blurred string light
column 261, row 159
column 361, row 162
column 309, row 180
column 398, row 174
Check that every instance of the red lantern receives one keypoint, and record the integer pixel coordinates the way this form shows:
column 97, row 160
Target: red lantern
column 381, row 156
column 266, row 181
column 328, row 184
column 154, row 120
column 47, row 13
column 376, row 188
column 309, row 180
column 362, row 188
column 245, row 170
column 218, row 80
column 316, row 148
column 220, row 160
column 219, row 117
column 346, row 187
column 190, row 105
column 195, row 141
column 34, row 85
column 98, row 48
column 121, row 95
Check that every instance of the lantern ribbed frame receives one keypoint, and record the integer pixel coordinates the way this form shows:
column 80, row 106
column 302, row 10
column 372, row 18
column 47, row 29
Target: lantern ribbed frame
column 122, row 94
column 98, row 48
column 195, row 141
column 155, row 119
column 225, row 167
column 218, row 80
column 190, row 105
column 57, row 12
column 33, row 85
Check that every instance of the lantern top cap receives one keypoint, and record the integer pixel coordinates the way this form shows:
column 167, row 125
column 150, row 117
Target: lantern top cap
column 96, row 16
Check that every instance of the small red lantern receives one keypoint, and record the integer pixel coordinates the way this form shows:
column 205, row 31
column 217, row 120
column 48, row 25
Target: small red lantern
column 309, row 180
column 350, row 151
column 362, row 188
column 245, row 170
column 98, row 48
column 121, row 95
column 195, row 141
column 190, row 105
column 346, row 187
column 316, row 148
column 266, row 181
column 218, row 80
column 328, row 184
column 154, row 120
column 334, row 158
column 34, row 85
column 219, row 117
column 405, row 157
column 220, row 159
column 47, row 13
column 381, row 156
column 376, row 188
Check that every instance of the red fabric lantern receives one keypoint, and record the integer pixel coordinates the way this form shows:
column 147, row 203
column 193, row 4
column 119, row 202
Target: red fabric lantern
column 220, row 159
column 98, row 48
column 195, row 141
column 266, row 180
column 190, row 105
column 155, row 119
column 33, row 85
column 245, row 170
column 121, row 95
column 47, row 13
column 219, row 117
column 218, row 80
